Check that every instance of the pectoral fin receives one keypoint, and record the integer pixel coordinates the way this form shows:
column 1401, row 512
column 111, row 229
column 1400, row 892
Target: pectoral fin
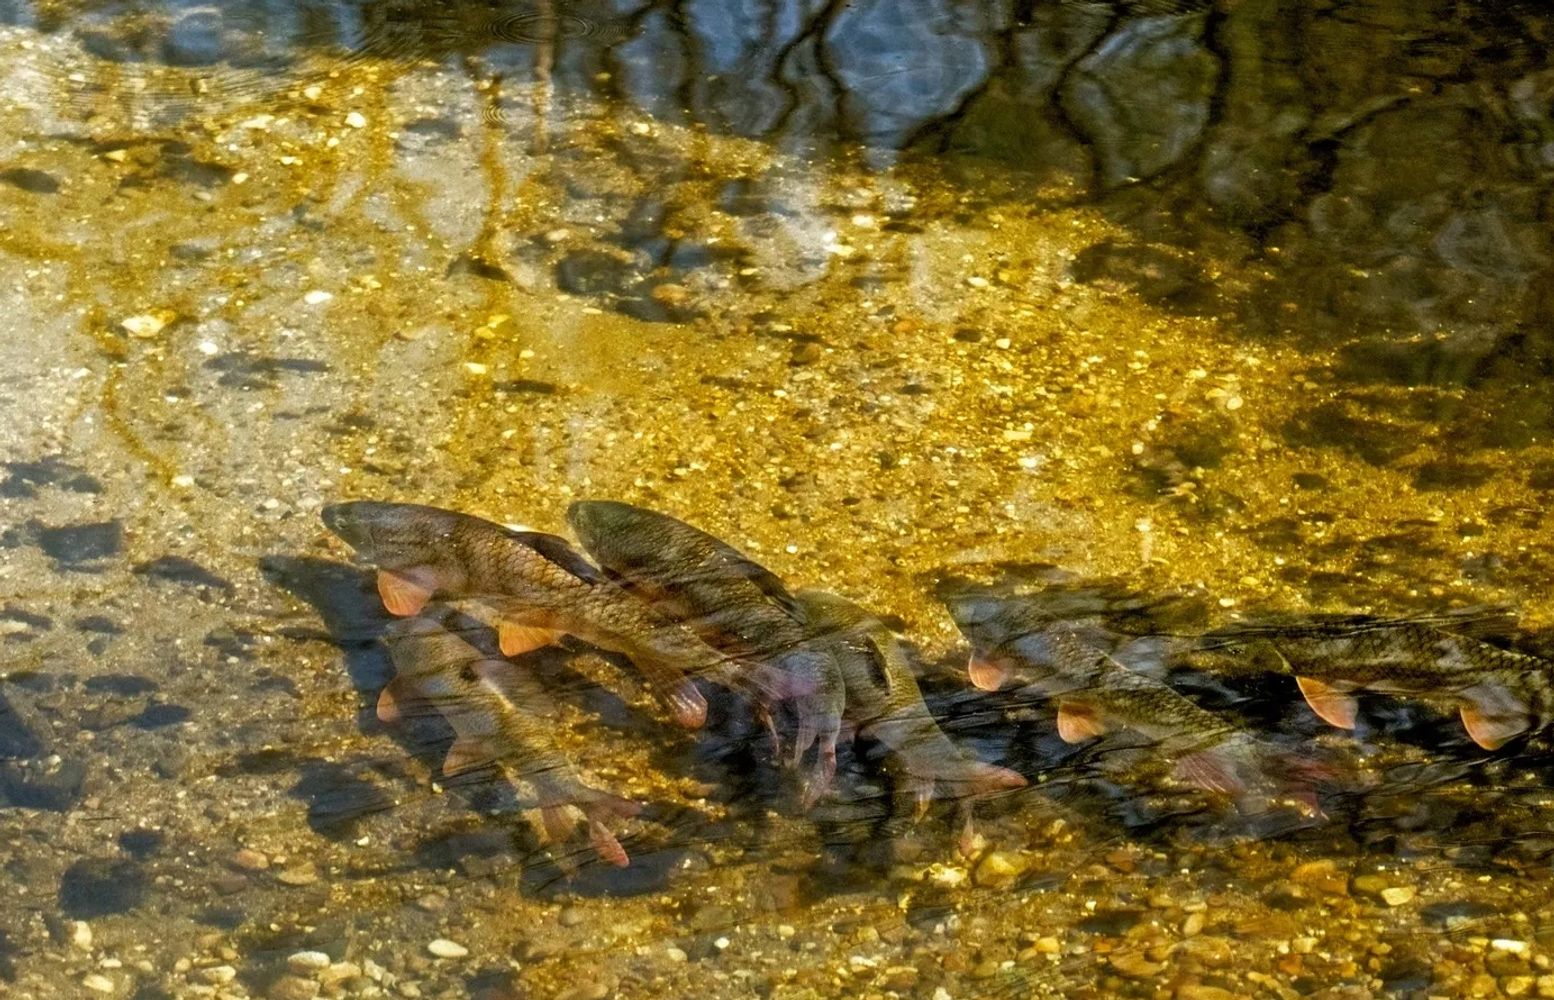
column 516, row 639
column 1077, row 722
column 1493, row 715
column 1333, row 704
column 406, row 591
column 986, row 675
column 466, row 754
column 395, row 699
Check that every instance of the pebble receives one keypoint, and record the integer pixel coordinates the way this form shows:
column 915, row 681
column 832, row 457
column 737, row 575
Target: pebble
column 98, row 984
column 339, row 972
column 304, row 874
column 307, row 963
column 1398, row 895
column 1134, row 965
column 1200, row 992
column 998, row 870
column 218, row 975
column 292, row 988
column 443, row 948
column 147, row 325
column 250, row 860
column 675, row 954
column 81, row 934
column 356, row 120
column 317, row 297
column 570, row 916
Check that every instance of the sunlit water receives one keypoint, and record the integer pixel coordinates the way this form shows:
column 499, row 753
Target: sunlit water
column 1244, row 306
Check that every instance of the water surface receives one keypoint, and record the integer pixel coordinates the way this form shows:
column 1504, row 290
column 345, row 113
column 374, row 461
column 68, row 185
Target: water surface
column 1243, row 303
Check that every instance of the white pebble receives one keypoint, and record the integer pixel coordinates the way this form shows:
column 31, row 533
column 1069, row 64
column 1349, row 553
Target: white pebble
column 675, row 954
column 218, row 975
column 146, row 324
column 98, row 984
column 81, row 935
column 305, row 963
column 1510, row 945
column 443, row 948
column 317, row 297
column 356, row 120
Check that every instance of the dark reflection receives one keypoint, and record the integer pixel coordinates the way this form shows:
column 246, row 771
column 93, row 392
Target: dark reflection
column 1381, row 168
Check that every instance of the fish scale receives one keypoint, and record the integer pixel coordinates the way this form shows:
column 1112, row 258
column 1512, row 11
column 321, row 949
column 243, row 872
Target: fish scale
column 1499, row 693
column 499, row 714
column 884, row 700
column 538, row 587
column 1095, row 693
column 732, row 602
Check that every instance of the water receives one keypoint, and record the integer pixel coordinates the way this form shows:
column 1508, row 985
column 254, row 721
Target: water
column 1244, row 305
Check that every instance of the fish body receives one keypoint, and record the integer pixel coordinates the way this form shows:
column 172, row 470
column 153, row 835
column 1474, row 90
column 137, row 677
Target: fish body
column 883, row 699
column 499, row 714
column 734, row 603
column 1019, row 629
column 1499, row 694
column 1097, row 694
column 538, row 586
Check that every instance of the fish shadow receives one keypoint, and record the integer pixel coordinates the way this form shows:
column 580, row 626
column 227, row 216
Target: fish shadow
column 338, row 794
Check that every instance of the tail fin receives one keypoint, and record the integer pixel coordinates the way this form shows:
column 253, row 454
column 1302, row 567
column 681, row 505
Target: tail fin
column 1258, row 774
column 601, row 810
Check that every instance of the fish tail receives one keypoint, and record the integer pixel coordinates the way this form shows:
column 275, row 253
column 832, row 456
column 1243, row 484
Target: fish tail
column 1249, row 771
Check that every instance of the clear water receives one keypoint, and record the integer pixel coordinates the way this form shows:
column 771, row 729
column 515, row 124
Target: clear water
column 1247, row 305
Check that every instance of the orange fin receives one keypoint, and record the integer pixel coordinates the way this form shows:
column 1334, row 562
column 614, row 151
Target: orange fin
column 986, row 675
column 516, row 639
column 394, row 700
column 1077, row 723
column 405, row 592
column 1333, row 704
column 606, row 846
column 687, row 705
column 1493, row 716
column 466, row 754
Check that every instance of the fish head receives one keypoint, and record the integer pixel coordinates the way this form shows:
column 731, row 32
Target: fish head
column 390, row 534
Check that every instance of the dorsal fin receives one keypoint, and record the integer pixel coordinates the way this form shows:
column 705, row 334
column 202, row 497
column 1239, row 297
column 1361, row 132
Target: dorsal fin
column 557, row 550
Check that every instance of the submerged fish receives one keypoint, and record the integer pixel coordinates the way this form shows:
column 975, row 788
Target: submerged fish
column 883, row 699
column 1096, row 694
column 499, row 714
column 1499, row 694
column 735, row 604
column 538, row 586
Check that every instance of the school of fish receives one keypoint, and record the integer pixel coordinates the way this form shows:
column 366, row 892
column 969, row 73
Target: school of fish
column 690, row 611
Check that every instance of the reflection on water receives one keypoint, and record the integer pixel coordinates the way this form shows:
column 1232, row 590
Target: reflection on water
column 1164, row 317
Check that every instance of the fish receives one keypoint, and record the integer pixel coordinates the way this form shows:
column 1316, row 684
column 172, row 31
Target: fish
column 538, row 587
column 733, row 603
column 1096, row 694
column 1499, row 694
column 884, row 701
column 500, row 714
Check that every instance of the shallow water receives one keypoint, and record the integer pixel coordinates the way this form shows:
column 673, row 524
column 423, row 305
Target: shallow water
column 1244, row 305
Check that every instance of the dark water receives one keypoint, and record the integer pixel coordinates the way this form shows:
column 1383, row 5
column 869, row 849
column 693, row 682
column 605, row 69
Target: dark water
column 1182, row 312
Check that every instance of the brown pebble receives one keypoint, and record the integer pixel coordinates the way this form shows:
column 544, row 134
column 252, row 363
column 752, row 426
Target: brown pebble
column 292, row 988
column 303, row 874
column 672, row 295
column 1201, row 992
column 250, row 860
column 1134, row 965
column 805, row 354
